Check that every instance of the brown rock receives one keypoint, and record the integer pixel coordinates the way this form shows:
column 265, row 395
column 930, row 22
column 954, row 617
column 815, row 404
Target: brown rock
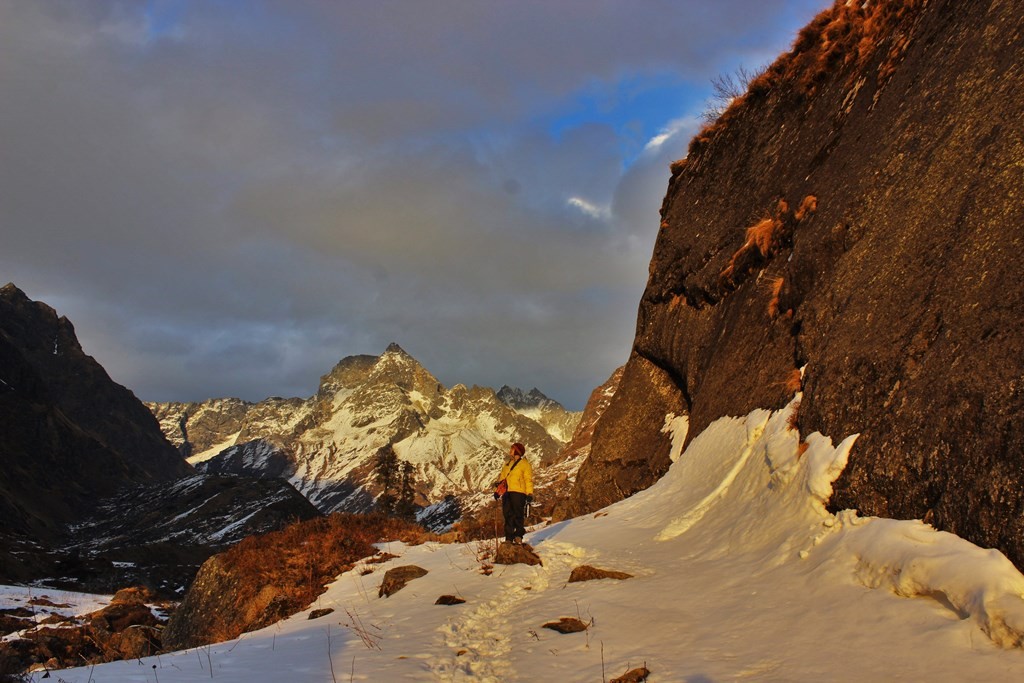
column 449, row 600
column 629, row 451
column 132, row 595
column 567, row 625
column 135, row 642
column 587, row 573
column 317, row 613
column 118, row 617
column 633, row 676
column 511, row 553
column 396, row 578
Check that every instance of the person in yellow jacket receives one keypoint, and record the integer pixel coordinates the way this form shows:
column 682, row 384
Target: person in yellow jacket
column 518, row 478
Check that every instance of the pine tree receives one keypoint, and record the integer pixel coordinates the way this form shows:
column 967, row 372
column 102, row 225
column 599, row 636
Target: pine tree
column 406, row 507
column 386, row 469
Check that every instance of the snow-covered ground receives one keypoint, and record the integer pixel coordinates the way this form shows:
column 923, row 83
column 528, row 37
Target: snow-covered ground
column 739, row 574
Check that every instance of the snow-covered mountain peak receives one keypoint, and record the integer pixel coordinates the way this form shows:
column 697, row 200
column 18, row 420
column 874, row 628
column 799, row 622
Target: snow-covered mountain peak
column 325, row 446
column 519, row 400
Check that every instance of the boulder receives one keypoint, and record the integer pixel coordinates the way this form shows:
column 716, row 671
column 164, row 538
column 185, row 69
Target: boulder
column 449, row 600
column 396, row 578
column 567, row 625
column 587, row 573
column 637, row 675
column 511, row 553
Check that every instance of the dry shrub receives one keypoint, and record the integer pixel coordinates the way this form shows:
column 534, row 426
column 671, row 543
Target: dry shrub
column 291, row 566
column 478, row 526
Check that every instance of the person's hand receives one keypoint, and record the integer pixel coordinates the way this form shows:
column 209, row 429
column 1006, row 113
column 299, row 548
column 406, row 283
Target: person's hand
column 529, row 499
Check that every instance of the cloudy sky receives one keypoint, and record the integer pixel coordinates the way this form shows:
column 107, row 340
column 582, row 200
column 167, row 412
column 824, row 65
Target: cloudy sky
column 227, row 197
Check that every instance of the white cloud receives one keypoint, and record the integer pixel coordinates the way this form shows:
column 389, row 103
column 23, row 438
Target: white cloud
column 677, row 128
column 591, row 209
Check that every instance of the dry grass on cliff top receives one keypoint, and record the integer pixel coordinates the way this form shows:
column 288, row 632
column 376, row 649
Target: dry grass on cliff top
column 840, row 37
column 301, row 558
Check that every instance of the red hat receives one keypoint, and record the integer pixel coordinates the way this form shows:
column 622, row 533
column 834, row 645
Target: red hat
column 518, row 448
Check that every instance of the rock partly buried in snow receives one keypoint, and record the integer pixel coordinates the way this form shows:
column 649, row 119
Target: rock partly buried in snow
column 510, row 553
column 449, row 600
column 317, row 613
column 633, row 676
column 567, row 625
column 587, row 573
column 396, row 578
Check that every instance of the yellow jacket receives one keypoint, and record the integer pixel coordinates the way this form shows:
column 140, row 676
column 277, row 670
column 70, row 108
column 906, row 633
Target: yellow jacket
column 519, row 478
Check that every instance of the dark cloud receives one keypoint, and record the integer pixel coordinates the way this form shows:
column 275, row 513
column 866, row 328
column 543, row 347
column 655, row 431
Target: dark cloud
column 226, row 199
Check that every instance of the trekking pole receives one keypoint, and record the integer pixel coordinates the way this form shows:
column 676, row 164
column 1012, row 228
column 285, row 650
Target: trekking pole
column 496, row 527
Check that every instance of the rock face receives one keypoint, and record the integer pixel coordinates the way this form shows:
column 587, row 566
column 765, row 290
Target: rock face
column 557, row 480
column 856, row 214
column 456, row 438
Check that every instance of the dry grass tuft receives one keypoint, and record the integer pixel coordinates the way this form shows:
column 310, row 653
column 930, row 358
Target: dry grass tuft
column 775, row 289
column 290, row 567
column 808, row 206
column 794, row 418
column 794, row 381
column 845, row 36
column 763, row 239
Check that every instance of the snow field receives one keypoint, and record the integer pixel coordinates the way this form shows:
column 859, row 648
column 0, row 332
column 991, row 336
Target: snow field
column 739, row 574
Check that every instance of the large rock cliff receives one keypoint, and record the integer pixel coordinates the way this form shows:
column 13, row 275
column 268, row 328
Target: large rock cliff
column 857, row 214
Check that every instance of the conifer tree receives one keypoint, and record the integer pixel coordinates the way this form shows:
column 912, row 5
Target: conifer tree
column 386, row 469
column 406, row 507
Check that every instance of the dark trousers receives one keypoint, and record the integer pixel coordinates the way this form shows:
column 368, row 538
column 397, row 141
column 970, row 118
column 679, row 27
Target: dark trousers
column 513, row 507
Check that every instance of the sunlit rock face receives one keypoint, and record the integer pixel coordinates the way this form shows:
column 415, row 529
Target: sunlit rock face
column 857, row 215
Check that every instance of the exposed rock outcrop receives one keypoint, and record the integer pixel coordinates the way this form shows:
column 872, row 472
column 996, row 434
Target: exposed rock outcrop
column 856, row 214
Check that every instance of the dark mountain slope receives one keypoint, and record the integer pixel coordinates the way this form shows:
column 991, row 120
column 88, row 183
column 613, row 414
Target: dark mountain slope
column 68, row 433
column 91, row 493
column 858, row 213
